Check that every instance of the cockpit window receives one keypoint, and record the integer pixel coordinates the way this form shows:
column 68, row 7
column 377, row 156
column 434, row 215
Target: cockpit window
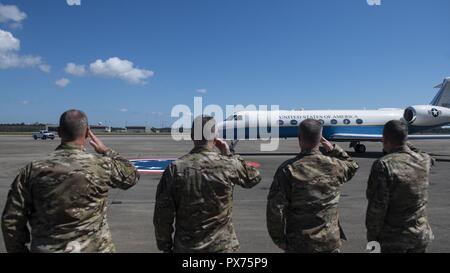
column 235, row 117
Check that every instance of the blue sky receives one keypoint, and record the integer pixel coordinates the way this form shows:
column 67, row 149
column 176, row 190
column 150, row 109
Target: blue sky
column 294, row 53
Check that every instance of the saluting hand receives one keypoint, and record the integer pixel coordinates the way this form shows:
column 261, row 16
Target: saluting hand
column 97, row 144
column 327, row 145
column 222, row 145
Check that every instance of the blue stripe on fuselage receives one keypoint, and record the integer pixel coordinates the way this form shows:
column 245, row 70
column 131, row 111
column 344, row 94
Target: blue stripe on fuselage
column 328, row 131
column 292, row 131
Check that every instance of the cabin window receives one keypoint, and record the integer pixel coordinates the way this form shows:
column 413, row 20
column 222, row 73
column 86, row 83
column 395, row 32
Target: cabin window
column 280, row 122
column 294, row 122
column 347, row 121
column 359, row 121
column 334, row 122
column 321, row 121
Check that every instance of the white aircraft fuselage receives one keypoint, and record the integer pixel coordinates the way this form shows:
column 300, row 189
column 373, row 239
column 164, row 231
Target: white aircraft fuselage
column 354, row 126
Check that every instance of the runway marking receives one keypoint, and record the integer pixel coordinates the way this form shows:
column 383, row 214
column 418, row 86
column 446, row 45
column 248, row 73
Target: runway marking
column 151, row 165
column 254, row 164
column 158, row 165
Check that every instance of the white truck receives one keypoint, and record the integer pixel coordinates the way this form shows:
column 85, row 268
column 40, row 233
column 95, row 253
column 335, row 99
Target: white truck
column 43, row 135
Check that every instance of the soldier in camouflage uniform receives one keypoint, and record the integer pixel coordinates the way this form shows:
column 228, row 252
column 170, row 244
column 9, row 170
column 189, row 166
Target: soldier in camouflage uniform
column 196, row 192
column 63, row 198
column 397, row 194
column 302, row 208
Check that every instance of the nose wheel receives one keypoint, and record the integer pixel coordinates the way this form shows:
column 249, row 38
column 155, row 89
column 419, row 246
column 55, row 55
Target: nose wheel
column 359, row 148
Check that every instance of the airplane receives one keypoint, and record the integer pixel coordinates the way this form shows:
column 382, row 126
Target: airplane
column 354, row 126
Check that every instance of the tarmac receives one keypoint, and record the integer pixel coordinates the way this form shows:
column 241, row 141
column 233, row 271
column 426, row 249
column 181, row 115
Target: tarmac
column 131, row 212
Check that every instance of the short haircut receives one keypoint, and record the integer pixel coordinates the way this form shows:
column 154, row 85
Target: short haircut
column 73, row 124
column 203, row 129
column 396, row 132
column 310, row 131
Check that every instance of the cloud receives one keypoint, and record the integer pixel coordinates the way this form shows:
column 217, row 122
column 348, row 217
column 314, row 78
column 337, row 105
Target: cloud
column 202, row 91
column 10, row 57
column 45, row 68
column 8, row 42
column 24, row 102
column 159, row 114
column 111, row 68
column 73, row 2
column 76, row 70
column 62, row 82
column 121, row 69
column 11, row 14
column 123, row 110
column 15, row 26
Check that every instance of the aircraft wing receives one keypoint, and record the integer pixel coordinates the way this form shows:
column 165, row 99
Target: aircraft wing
column 368, row 137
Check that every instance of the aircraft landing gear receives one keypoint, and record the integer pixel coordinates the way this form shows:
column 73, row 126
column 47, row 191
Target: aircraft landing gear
column 359, row 148
column 233, row 146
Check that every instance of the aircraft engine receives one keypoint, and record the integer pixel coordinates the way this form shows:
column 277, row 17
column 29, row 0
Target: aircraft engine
column 427, row 115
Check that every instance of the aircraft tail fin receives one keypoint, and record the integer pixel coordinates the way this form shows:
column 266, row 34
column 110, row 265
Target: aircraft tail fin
column 443, row 96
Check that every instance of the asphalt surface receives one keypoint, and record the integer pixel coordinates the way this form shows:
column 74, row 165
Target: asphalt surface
column 130, row 213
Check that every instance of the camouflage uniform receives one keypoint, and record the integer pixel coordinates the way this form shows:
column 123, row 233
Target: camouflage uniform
column 397, row 193
column 302, row 208
column 63, row 199
column 197, row 192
